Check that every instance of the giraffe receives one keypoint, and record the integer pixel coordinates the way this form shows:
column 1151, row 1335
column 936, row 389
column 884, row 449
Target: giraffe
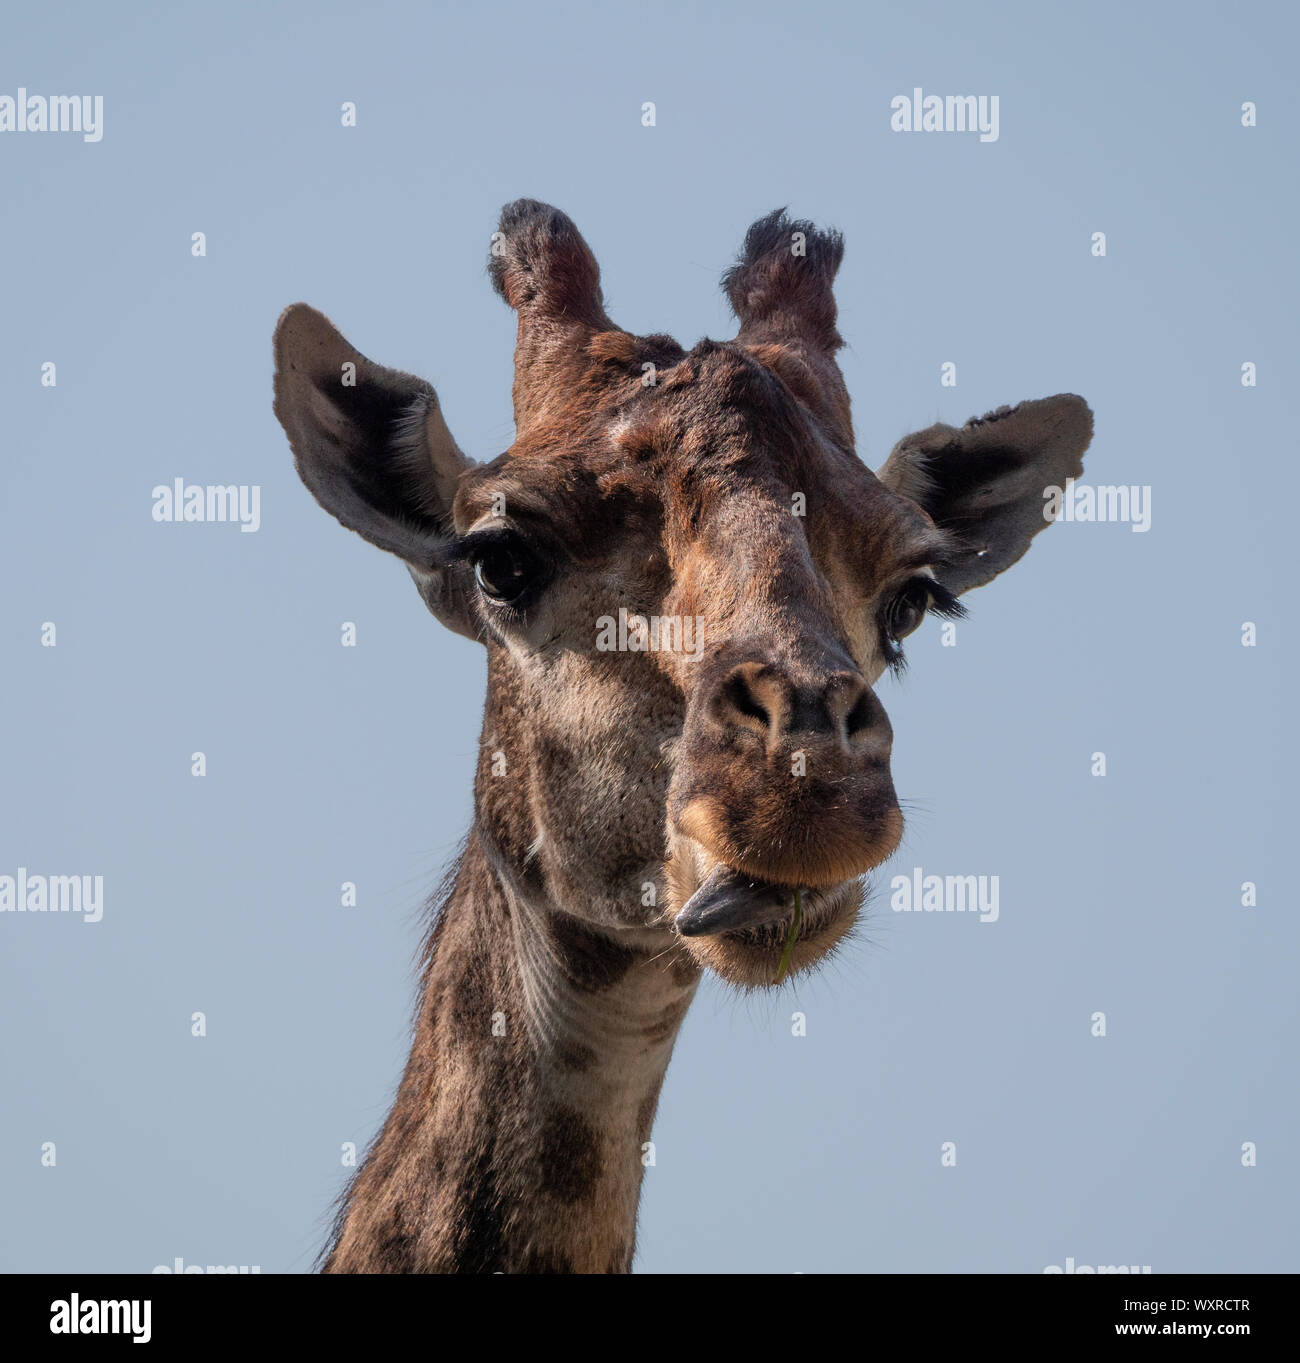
column 642, row 814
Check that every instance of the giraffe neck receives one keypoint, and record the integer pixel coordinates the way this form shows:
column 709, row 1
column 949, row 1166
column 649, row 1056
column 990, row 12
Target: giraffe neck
column 517, row 1139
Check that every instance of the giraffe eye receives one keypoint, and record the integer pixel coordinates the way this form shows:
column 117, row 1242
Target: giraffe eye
column 505, row 570
column 906, row 611
column 907, row 608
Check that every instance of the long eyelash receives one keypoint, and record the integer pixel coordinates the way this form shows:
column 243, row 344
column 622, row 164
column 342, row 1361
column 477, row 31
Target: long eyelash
column 943, row 602
column 475, row 543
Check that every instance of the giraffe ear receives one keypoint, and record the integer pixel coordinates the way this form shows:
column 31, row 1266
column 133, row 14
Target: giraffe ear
column 372, row 447
column 987, row 482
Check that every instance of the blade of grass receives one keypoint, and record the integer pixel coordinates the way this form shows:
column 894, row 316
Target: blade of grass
column 795, row 924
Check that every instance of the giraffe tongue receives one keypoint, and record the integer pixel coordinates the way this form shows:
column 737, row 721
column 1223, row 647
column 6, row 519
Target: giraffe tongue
column 727, row 900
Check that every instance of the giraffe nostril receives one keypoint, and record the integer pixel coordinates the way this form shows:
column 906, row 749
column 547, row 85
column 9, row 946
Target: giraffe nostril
column 860, row 717
column 738, row 696
column 852, row 709
column 760, row 697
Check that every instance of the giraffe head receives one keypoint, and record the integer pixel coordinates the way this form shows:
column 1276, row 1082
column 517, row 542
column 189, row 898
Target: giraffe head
column 687, row 582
